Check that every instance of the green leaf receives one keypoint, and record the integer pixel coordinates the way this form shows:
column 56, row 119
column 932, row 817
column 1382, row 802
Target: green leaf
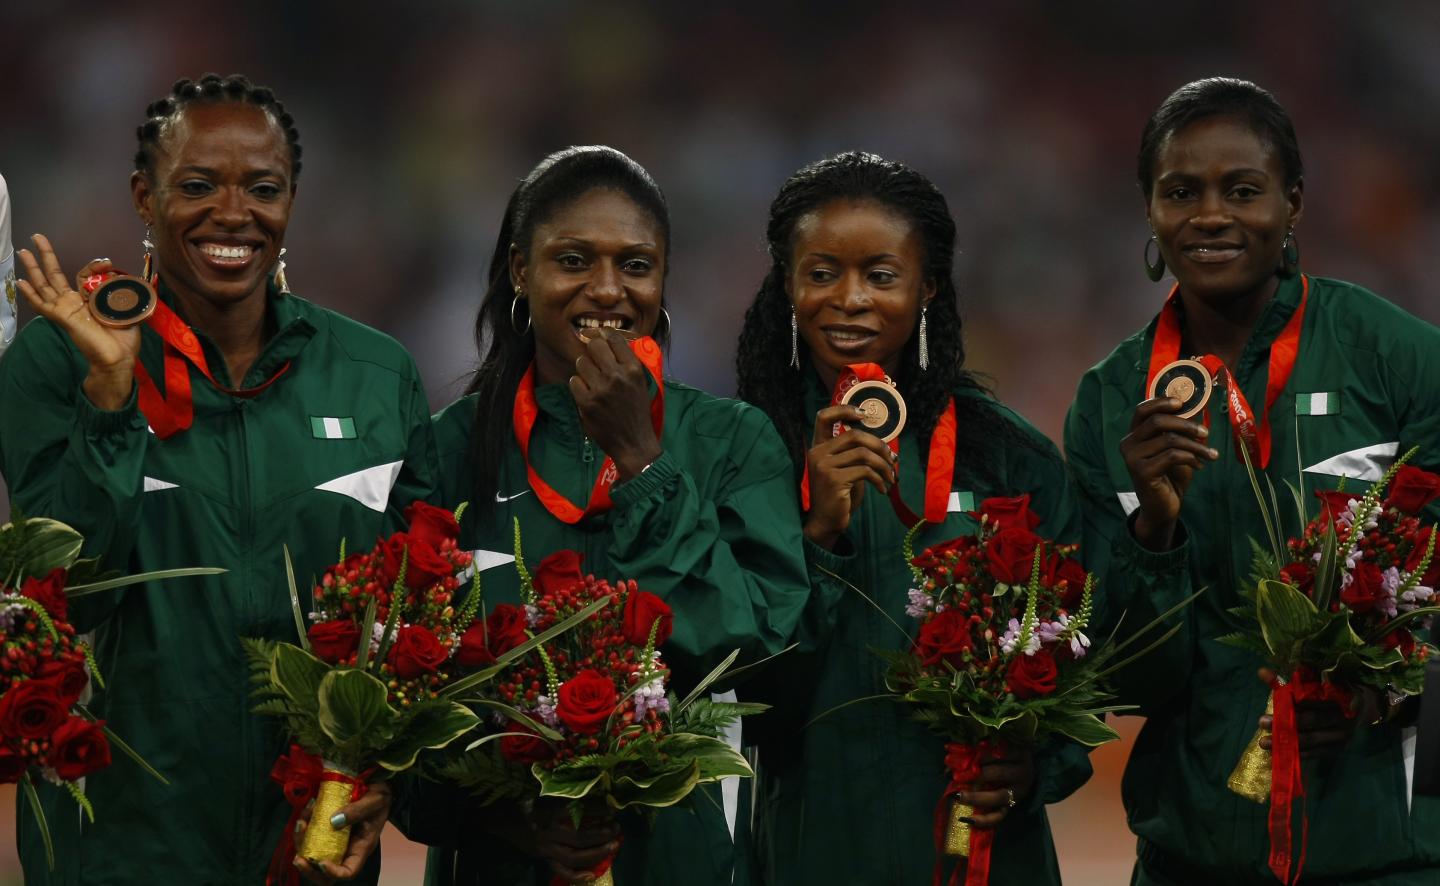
column 298, row 674
column 711, row 677
column 521, row 717
column 716, row 757
column 481, row 677
column 354, row 712
column 432, row 725
column 96, row 587
column 295, row 602
column 34, row 800
column 1086, row 729
column 367, row 631
column 560, row 782
column 667, row 789
column 35, row 546
column 1287, row 619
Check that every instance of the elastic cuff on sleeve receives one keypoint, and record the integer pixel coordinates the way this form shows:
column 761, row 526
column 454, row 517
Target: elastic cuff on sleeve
column 1130, row 552
column 837, row 561
column 659, row 473
column 94, row 420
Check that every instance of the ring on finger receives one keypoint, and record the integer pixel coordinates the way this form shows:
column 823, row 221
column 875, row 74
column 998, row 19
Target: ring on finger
column 1010, row 797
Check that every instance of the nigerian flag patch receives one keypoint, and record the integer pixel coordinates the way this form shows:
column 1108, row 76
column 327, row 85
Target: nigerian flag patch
column 327, row 428
column 1327, row 403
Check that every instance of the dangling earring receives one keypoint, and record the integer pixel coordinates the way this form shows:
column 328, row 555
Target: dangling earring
column 514, row 325
column 794, row 341
column 666, row 314
column 1290, row 255
column 1154, row 270
column 145, row 272
column 924, row 341
column 281, row 285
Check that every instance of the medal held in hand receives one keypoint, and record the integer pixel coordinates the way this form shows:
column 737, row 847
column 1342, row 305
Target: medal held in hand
column 119, row 300
column 882, row 405
column 1187, row 381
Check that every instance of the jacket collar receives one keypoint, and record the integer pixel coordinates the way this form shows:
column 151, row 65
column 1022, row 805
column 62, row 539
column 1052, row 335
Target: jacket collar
column 293, row 319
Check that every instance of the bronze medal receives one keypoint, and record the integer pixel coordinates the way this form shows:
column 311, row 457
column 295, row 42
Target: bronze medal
column 120, row 301
column 882, row 405
column 1187, row 381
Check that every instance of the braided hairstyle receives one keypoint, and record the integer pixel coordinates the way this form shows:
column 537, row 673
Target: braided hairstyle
column 505, row 351
column 762, row 359
column 162, row 113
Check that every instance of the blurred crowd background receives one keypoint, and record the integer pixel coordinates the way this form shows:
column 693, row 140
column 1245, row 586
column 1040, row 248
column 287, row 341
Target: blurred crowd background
column 418, row 119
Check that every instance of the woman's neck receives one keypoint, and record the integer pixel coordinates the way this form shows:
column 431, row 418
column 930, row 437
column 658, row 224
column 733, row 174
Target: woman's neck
column 237, row 329
column 1223, row 328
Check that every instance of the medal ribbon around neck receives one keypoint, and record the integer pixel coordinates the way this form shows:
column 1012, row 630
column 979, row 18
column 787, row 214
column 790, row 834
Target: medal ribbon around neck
column 1283, row 353
column 940, row 463
column 527, row 410
column 174, row 411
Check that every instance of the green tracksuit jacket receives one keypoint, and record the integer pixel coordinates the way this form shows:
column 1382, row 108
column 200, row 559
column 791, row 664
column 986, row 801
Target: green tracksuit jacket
column 247, row 478
column 852, row 798
column 710, row 526
column 1366, row 381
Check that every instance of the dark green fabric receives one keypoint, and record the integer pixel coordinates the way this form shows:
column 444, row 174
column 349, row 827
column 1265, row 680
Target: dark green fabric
column 852, row 798
column 710, row 527
column 1202, row 698
column 245, row 477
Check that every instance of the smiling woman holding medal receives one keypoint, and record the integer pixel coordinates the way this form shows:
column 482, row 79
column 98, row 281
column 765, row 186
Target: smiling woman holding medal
column 571, row 429
column 853, row 348
column 1318, row 380
column 201, row 416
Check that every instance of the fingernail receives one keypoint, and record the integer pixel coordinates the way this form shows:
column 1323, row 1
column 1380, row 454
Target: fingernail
column 1204, row 431
column 1214, row 453
column 338, row 820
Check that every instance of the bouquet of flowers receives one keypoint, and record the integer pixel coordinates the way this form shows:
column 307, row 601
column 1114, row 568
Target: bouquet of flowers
column 376, row 678
column 588, row 715
column 1332, row 612
column 45, row 669
column 1001, row 660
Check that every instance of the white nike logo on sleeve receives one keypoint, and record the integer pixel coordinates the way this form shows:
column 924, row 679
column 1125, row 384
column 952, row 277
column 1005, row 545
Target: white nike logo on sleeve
column 501, row 499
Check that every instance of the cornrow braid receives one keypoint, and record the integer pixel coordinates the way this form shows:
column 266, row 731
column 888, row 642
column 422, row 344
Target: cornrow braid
column 211, row 89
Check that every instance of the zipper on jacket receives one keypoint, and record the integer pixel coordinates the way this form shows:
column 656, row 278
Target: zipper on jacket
column 587, row 454
column 247, row 535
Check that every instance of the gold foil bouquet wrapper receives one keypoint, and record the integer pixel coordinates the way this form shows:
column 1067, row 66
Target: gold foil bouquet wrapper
column 957, row 833
column 321, row 841
column 1251, row 776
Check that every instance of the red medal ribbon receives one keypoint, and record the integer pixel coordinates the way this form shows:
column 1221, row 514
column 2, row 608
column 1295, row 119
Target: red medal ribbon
column 300, row 773
column 174, row 411
column 1283, row 353
column 1287, row 783
column 940, row 463
column 527, row 410
column 963, row 761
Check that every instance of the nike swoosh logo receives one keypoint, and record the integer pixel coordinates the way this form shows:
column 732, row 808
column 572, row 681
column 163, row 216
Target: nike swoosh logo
column 501, row 499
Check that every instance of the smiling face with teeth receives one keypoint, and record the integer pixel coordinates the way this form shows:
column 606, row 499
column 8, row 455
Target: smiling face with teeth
column 856, row 280
column 1220, row 209
column 218, row 203
column 598, row 262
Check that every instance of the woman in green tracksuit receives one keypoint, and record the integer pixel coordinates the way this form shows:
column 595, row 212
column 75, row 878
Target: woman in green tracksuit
column 702, row 510
column 1353, row 380
column 862, row 254
column 302, row 427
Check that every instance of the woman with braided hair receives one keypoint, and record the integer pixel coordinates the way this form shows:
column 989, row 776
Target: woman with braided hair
column 862, row 254
column 279, row 423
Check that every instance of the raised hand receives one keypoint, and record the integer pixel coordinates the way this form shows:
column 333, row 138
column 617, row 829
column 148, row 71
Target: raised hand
column 839, row 469
column 110, row 352
column 612, row 391
column 1162, row 453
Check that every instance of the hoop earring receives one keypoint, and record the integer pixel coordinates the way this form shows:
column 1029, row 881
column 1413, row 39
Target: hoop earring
column 281, row 284
column 513, row 324
column 794, row 341
column 1156, row 269
column 924, row 341
column 1289, row 255
column 147, row 262
column 668, row 326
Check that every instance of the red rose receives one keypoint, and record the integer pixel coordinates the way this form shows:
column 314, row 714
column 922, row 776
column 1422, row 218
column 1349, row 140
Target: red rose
column 1333, row 504
column 1300, row 576
column 557, row 572
column 473, row 652
column 1031, row 675
column 944, row 637
column 12, row 765
column 506, row 627
column 416, row 651
column 431, row 525
column 1411, row 489
column 32, row 709
column 78, row 749
column 1011, row 553
column 643, row 609
column 68, row 674
column 334, row 641
column 1067, row 571
column 48, row 592
column 1366, row 587
column 1007, row 513
column 528, row 748
column 586, row 701
column 424, row 568
column 1399, row 639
